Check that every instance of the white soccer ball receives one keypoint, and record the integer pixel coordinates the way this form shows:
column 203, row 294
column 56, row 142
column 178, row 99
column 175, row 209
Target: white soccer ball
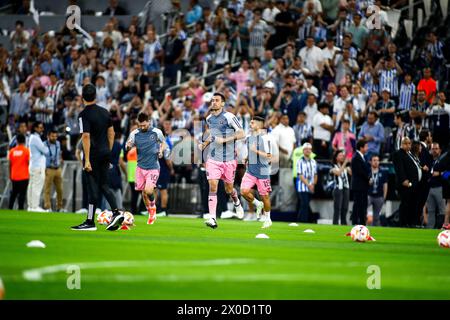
column 104, row 217
column 129, row 219
column 443, row 239
column 360, row 233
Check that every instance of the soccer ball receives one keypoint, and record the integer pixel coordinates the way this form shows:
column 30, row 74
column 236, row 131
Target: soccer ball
column 443, row 239
column 129, row 219
column 360, row 233
column 104, row 217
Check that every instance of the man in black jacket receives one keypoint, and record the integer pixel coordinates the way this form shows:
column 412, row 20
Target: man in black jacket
column 408, row 175
column 360, row 183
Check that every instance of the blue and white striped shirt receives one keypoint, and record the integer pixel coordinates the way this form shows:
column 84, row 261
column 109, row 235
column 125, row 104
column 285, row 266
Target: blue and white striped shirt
column 406, row 93
column 389, row 79
column 308, row 169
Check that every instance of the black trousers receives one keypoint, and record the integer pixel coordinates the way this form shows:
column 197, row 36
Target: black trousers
column 409, row 202
column 19, row 188
column 321, row 149
column 359, row 207
column 97, row 183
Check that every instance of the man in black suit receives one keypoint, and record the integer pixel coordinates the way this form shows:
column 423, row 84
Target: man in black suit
column 360, row 183
column 408, row 175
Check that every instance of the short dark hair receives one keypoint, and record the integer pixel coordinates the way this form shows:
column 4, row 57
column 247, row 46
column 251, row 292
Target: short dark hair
column 89, row 92
column 35, row 125
column 20, row 139
column 52, row 130
column 19, row 22
column 258, row 118
column 360, row 144
column 423, row 134
column 142, row 117
column 324, row 105
column 374, row 155
column 220, row 95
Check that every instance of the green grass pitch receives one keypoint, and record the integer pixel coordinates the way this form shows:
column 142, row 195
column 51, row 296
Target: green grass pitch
column 183, row 259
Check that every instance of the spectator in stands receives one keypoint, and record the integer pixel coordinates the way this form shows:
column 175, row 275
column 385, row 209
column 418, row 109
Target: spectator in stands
column 388, row 71
column 322, row 130
column 53, row 172
column 114, row 9
column 344, row 65
column 284, row 23
column 23, row 130
column 38, row 153
column 284, row 136
column 20, row 103
column 373, row 133
column 378, row 188
column 174, row 51
column 344, row 140
column 302, row 129
column 259, row 33
column 194, row 13
column 428, row 84
column 306, row 181
column 20, row 37
column 43, row 108
column 341, row 194
column 312, row 57
column 359, row 31
column 386, row 110
column 360, row 183
column 421, row 106
column 153, row 53
column 19, row 158
column 407, row 92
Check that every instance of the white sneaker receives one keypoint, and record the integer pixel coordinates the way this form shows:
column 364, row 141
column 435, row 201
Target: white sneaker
column 206, row 216
column 39, row 209
column 250, row 217
column 211, row 222
column 82, row 211
column 259, row 208
column 239, row 212
column 267, row 223
column 161, row 214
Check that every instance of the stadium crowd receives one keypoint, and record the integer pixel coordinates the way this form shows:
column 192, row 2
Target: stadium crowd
column 314, row 69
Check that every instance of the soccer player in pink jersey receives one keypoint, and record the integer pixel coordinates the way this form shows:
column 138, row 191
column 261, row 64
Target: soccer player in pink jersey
column 224, row 129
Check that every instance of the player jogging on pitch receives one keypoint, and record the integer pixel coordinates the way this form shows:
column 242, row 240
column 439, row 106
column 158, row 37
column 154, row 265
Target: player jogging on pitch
column 258, row 170
column 97, row 136
column 150, row 144
column 224, row 130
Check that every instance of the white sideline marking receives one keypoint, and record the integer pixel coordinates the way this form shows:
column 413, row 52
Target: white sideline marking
column 37, row 274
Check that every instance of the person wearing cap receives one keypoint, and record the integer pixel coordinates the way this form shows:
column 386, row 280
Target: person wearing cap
column 97, row 134
column 306, row 181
